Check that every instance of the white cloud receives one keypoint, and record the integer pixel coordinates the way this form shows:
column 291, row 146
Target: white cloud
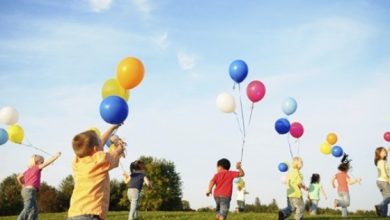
column 99, row 5
column 186, row 61
column 161, row 40
column 143, row 6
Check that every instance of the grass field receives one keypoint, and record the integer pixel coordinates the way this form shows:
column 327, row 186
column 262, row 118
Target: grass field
column 191, row 216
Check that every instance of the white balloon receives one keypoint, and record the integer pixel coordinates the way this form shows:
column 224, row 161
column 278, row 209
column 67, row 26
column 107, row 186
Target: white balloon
column 225, row 102
column 9, row 115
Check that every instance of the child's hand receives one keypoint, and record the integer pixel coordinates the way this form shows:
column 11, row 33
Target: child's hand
column 208, row 193
column 238, row 165
column 57, row 155
column 125, row 175
column 116, row 126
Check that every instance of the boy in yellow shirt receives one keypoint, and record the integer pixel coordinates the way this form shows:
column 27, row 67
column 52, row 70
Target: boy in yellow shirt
column 91, row 193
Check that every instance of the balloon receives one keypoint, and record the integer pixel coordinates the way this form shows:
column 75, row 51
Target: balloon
column 289, row 106
column 238, row 70
column 15, row 134
column 237, row 180
column 283, row 167
column 386, row 136
column 112, row 87
column 96, row 130
column 284, row 179
column 296, row 130
column 331, row 138
column 282, row 126
column 337, row 151
column 3, row 136
column 114, row 110
column 130, row 72
column 108, row 143
column 9, row 115
column 255, row 91
column 326, row 148
column 225, row 102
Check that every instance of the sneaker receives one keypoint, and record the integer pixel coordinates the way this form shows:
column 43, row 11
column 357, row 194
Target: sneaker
column 378, row 210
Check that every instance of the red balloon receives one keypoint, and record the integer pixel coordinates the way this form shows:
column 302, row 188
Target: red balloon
column 255, row 91
column 296, row 130
column 386, row 136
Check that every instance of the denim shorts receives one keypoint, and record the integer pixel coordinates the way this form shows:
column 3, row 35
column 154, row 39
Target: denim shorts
column 223, row 205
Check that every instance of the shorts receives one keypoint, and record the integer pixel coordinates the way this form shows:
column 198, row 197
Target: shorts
column 223, row 205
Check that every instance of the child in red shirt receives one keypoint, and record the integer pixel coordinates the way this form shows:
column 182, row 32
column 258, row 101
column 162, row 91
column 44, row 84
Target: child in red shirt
column 223, row 182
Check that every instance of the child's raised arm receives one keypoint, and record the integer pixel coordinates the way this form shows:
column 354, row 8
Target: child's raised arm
column 116, row 155
column 50, row 161
column 239, row 168
column 106, row 135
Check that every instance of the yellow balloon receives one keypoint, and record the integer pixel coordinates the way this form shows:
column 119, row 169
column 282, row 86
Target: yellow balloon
column 15, row 134
column 112, row 87
column 96, row 130
column 331, row 138
column 326, row 148
column 111, row 148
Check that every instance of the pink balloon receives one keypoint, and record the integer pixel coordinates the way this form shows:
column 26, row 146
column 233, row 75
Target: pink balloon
column 255, row 91
column 296, row 130
column 386, row 136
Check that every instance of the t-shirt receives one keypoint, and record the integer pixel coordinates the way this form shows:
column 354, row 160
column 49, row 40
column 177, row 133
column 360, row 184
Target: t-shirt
column 341, row 178
column 137, row 180
column 224, row 183
column 383, row 170
column 314, row 191
column 32, row 177
column 295, row 178
column 91, row 193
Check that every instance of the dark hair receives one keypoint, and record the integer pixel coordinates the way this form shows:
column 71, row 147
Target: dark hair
column 137, row 165
column 315, row 178
column 377, row 155
column 224, row 163
column 345, row 163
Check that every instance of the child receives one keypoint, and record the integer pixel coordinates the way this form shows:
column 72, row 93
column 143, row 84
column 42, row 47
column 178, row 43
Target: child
column 91, row 193
column 31, row 182
column 314, row 193
column 294, row 194
column 223, row 182
column 382, row 181
column 135, row 182
column 241, row 192
column 343, row 180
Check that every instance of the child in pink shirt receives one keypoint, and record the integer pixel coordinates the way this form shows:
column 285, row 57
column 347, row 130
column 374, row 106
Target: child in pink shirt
column 343, row 180
column 31, row 182
column 223, row 182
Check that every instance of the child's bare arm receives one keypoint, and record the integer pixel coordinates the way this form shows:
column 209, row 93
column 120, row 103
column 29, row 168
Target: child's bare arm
column 106, row 135
column 115, row 156
column 333, row 182
column 353, row 181
column 211, row 185
column 126, row 177
column 239, row 168
column 323, row 192
column 50, row 161
column 20, row 179
column 147, row 182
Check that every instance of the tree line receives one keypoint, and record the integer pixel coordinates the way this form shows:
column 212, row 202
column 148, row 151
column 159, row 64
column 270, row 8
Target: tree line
column 164, row 195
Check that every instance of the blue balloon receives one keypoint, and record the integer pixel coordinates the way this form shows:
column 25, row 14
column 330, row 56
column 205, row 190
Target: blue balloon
column 108, row 143
column 289, row 106
column 337, row 151
column 283, row 167
column 114, row 110
column 238, row 70
column 3, row 136
column 282, row 126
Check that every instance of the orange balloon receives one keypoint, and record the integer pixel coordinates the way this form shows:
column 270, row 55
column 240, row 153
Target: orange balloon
column 331, row 138
column 130, row 72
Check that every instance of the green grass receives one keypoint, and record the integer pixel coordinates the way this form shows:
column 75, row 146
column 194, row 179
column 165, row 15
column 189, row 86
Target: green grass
column 191, row 216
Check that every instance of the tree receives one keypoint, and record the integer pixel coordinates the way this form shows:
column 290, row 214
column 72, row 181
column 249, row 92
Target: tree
column 186, row 205
column 117, row 190
column 65, row 192
column 11, row 201
column 166, row 191
column 48, row 199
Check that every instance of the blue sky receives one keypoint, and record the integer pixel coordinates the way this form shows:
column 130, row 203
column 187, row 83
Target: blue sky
column 331, row 56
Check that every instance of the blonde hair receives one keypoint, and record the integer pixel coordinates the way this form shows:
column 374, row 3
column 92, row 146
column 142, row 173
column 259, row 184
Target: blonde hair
column 35, row 159
column 84, row 143
column 297, row 163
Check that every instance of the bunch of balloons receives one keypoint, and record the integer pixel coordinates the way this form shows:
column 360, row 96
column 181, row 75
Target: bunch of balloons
column 255, row 91
column 14, row 133
column 115, row 91
column 329, row 146
column 283, row 126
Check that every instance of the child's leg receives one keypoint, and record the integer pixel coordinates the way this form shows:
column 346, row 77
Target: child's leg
column 299, row 206
column 29, row 197
column 384, row 188
column 344, row 203
column 314, row 207
column 133, row 198
column 224, row 205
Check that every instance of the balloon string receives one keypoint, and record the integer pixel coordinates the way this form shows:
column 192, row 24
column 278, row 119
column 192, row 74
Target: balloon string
column 242, row 112
column 238, row 122
column 250, row 115
column 242, row 149
column 298, row 144
column 289, row 145
column 32, row 146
